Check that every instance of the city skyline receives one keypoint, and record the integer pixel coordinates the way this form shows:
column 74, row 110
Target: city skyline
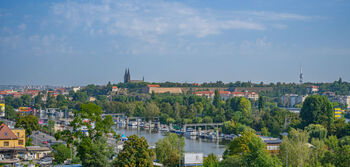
column 92, row 42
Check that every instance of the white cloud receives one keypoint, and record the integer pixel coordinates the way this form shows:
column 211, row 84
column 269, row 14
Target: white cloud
column 22, row 27
column 277, row 16
column 149, row 19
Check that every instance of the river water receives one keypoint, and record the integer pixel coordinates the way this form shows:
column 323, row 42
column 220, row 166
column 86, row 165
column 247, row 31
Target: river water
column 191, row 145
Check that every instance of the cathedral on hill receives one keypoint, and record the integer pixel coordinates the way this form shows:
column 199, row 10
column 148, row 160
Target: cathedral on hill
column 128, row 80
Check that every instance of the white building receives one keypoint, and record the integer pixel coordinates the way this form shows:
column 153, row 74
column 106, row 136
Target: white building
column 289, row 100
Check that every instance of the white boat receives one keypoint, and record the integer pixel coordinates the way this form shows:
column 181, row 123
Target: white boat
column 132, row 123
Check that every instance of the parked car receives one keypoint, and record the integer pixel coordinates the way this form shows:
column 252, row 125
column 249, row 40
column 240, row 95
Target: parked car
column 45, row 142
column 46, row 161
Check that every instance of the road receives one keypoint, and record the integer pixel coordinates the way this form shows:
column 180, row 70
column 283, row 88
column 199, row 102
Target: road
column 39, row 137
column 9, row 123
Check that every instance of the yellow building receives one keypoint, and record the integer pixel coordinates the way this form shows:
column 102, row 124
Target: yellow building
column 12, row 138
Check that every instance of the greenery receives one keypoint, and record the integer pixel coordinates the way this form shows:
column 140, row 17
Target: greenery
column 317, row 110
column 211, row 161
column 61, row 153
column 248, row 150
column 170, row 149
column 315, row 137
column 92, row 148
column 135, row 153
column 10, row 113
column 28, row 122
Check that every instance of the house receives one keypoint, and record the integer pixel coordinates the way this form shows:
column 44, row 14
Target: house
column 114, row 88
column 248, row 95
column 207, row 94
column 35, row 152
column 225, row 94
column 11, row 138
column 312, row 89
column 272, row 144
column 12, row 141
column 92, row 99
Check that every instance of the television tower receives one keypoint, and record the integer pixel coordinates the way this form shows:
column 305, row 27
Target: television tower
column 301, row 75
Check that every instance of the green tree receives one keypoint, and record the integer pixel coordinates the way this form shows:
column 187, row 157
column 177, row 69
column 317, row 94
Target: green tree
column 151, row 110
column 317, row 110
column 10, row 113
column 261, row 103
column 169, row 150
column 135, row 153
column 228, row 127
column 92, row 148
column 294, row 150
column 249, row 150
column 94, row 153
column 61, row 153
column 80, row 96
column 211, row 161
column 316, row 131
column 244, row 106
column 217, row 99
column 28, row 122
column 265, row 131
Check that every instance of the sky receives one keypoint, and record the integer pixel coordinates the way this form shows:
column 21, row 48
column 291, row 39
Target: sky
column 194, row 41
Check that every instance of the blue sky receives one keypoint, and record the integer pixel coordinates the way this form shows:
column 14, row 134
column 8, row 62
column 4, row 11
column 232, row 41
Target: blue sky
column 82, row 42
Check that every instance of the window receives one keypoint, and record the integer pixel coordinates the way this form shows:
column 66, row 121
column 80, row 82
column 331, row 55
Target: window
column 6, row 143
column 17, row 134
column 5, row 133
column 20, row 142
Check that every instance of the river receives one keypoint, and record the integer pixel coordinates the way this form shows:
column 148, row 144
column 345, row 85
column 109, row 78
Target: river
column 191, row 145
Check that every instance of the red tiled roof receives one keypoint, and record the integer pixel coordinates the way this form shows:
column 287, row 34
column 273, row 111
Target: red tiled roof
column 224, row 92
column 6, row 133
column 237, row 93
column 153, row 86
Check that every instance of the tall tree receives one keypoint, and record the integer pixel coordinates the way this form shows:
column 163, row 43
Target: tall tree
column 10, row 113
column 61, row 153
column 169, row 150
column 261, row 103
column 317, row 110
column 294, row 150
column 135, row 153
column 28, row 122
column 217, row 99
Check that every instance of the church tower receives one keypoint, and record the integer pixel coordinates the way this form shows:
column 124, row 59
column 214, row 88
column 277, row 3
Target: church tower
column 127, row 76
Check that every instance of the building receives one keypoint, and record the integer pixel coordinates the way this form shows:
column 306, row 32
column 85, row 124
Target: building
column 289, row 100
column 76, row 89
column 312, row 89
column 114, row 88
column 11, row 138
column 338, row 112
column 338, row 98
column 248, row 95
column 91, row 99
column 127, row 78
column 227, row 94
column 157, row 89
column 253, row 89
column 35, row 152
column 272, row 144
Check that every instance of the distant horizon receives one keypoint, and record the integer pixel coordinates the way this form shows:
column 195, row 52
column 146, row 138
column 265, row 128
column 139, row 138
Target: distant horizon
column 102, row 84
